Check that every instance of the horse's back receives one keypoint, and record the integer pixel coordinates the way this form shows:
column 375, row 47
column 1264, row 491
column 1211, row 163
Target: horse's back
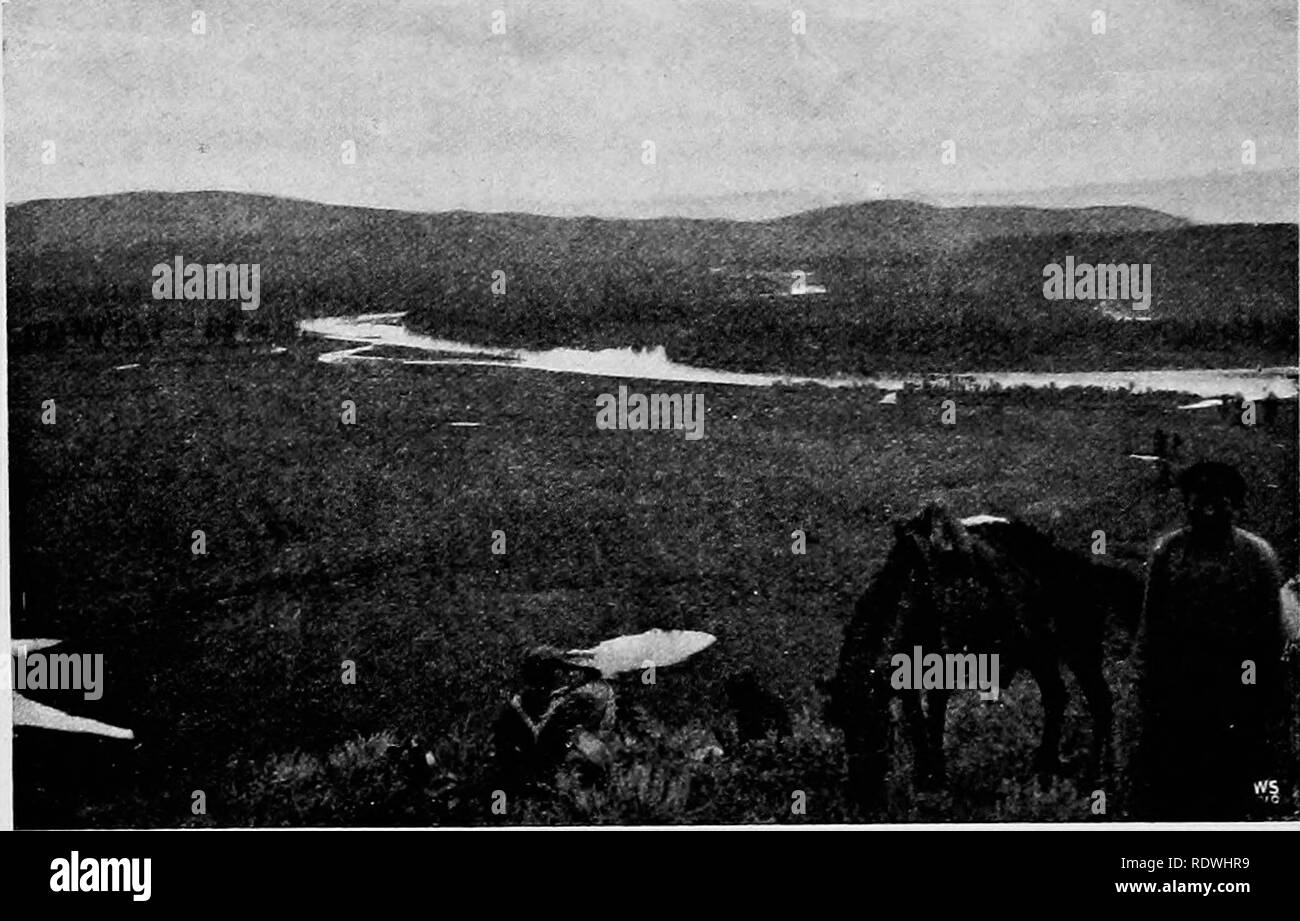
column 1078, row 595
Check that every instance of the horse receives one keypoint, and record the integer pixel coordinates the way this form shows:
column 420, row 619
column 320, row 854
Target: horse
column 980, row 585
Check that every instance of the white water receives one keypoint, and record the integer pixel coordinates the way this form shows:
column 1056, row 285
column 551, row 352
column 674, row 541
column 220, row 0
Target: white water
column 384, row 329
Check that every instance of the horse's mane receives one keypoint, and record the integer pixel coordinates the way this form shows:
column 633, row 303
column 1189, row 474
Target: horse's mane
column 937, row 514
column 1020, row 539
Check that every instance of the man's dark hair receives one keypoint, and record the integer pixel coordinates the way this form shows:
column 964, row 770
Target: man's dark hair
column 540, row 663
column 1213, row 478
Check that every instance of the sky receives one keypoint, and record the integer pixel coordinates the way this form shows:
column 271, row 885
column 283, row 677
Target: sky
column 748, row 117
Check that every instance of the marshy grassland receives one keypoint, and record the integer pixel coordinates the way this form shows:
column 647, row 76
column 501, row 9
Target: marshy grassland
column 371, row 542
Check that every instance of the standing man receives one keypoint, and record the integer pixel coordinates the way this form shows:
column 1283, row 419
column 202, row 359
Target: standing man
column 1213, row 709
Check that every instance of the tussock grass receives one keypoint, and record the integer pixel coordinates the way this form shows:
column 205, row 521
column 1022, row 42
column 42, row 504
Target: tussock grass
column 370, row 543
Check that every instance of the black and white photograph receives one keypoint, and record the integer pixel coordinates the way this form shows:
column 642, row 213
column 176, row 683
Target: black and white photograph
column 694, row 413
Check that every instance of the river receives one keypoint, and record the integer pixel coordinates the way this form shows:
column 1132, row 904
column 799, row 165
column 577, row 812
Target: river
column 366, row 332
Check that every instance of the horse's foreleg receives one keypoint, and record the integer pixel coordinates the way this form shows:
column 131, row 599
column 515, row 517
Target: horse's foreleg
column 868, row 766
column 923, row 759
column 936, row 703
column 1100, row 705
column 1052, row 686
column 868, row 739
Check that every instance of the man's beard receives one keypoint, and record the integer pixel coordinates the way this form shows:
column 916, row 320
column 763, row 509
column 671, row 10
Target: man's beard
column 1212, row 528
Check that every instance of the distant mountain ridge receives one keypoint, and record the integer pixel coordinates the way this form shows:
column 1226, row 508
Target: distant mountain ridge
column 204, row 220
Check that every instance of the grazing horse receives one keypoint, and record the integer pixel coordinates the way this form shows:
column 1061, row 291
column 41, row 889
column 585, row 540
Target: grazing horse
column 984, row 585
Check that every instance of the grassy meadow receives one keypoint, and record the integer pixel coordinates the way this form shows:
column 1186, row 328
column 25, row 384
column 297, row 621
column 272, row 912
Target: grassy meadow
column 371, row 543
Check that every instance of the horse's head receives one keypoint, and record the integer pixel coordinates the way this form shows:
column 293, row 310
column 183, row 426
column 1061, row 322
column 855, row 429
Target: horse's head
column 934, row 539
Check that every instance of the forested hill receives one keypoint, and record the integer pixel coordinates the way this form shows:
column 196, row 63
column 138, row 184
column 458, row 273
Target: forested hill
column 906, row 285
